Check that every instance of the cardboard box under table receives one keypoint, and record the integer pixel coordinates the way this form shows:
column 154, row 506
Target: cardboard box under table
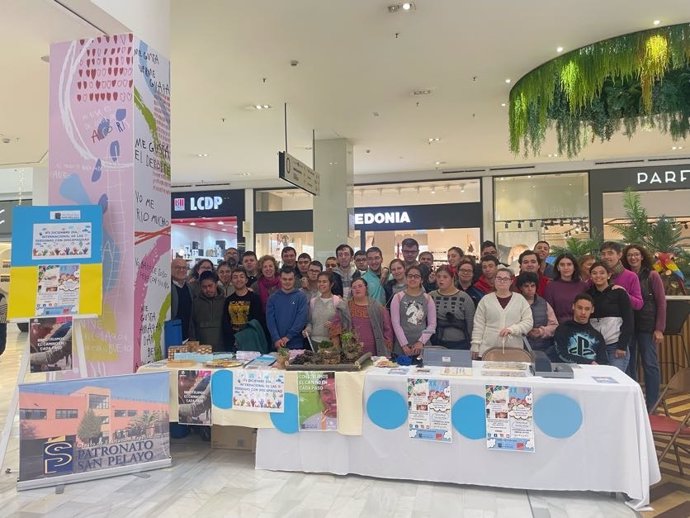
column 349, row 390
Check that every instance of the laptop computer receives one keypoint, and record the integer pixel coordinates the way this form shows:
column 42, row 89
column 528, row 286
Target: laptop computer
column 447, row 357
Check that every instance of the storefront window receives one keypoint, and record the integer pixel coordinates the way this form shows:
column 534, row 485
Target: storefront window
column 203, row 238
column 670, row 203
column 550, row 207
column 437, row 214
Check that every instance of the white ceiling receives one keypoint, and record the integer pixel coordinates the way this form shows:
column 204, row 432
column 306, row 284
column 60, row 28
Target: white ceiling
column 351, row 64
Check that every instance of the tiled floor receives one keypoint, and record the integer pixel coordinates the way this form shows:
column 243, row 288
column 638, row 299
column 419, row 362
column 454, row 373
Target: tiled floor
column 209, row 483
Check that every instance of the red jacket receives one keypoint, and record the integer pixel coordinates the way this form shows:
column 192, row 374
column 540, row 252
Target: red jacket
column 483, row 285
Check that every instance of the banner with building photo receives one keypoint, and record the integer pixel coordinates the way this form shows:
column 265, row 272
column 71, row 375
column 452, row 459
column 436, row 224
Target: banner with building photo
column 76, row 430
column 194, row 397
column 50, row 344
column 56, row 261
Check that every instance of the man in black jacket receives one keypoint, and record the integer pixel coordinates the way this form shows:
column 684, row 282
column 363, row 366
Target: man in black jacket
column 576, row 340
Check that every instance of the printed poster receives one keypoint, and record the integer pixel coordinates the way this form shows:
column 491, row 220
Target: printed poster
column 58, row 290
column 194, row 397
column 318, row 403
column 92, row 425
column 61, row 240
column 259, row 390
column 429, row 406
column 509, row 418
column 50, row 344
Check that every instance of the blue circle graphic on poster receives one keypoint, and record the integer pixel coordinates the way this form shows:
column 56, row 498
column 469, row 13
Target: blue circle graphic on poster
column 221, row 389
column 288, row 421
column 558, row 416
column 387, row 409
column 468, row 417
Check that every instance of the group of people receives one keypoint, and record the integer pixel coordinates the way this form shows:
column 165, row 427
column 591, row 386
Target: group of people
column 581, row 310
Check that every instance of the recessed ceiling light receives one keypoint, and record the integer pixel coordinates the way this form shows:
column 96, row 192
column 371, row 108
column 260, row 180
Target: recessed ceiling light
column 657, row 22
column 245, row 174
column 508, row 80
column 202, row 155
column 439, row 162
column 674, row 148
column 221, row 223
column 262, row 106
column 503, row 104
column 407, row 6
column 431, row 140
column 193, row 224
column 559, row 49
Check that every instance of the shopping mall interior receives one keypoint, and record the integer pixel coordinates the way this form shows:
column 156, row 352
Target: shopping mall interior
column 419, row 94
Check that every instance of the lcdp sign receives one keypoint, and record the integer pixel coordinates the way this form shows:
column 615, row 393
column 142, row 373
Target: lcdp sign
column 198, row 203
column 663, row 177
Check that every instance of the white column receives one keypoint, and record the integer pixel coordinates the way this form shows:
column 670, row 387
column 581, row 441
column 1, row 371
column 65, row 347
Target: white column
column 333, row 213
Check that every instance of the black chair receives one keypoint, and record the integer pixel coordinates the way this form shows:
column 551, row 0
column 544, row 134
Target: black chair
column 677, row 312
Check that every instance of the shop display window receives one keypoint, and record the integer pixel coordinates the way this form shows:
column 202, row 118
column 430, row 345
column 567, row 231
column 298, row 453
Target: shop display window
column 203, row 238
column 531, row 208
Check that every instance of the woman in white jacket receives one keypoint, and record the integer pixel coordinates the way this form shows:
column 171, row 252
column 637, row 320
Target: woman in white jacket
column 501, row 315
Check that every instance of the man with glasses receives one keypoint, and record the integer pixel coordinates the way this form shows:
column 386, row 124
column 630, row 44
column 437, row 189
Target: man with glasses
column 311, row 289
column 181, row 295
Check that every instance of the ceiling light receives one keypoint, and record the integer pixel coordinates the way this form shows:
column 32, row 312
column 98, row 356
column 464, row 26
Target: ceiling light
column 407, row 6
column 657, row 22
column 431, row 140
column 245, row 174
column 559, row 49
column 439, row 162
column 503, row 104
column 674, row 148
column 193, row 224
column 221, row 223
column 202, row 155
column 508, row 80
column 262, row 106
column 421, row 91
column 433, row 190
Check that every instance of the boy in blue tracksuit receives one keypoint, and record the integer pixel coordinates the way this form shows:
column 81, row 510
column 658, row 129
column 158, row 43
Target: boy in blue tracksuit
column 287, row 312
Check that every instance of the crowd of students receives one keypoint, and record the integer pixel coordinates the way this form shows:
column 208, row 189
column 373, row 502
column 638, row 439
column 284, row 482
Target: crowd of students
column 582, row 310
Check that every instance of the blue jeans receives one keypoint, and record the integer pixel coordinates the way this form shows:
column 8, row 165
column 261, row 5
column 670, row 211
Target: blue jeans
column 621, row 363
column 644, row 342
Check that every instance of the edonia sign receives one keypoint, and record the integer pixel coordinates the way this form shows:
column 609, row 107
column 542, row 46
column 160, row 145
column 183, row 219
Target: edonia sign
column 368, row 218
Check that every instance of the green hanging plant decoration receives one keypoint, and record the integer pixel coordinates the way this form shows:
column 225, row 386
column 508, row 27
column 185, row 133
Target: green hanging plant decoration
column 638, row 80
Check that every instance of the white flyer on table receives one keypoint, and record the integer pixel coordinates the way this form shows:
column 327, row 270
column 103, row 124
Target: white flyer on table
column 429, row 402
column 258, row 390
column 509, row 418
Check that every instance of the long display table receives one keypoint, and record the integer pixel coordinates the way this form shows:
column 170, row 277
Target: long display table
column 589, row 436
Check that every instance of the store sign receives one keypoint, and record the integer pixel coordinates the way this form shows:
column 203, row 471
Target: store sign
column 369, row 218
column 663, row 177
column 199, row 204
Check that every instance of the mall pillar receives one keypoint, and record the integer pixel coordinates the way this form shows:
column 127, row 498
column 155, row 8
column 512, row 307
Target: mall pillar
column 333, row 207
column 110, row 145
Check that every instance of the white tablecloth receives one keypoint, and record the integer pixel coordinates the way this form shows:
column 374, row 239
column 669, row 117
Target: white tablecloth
column 613, row 450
